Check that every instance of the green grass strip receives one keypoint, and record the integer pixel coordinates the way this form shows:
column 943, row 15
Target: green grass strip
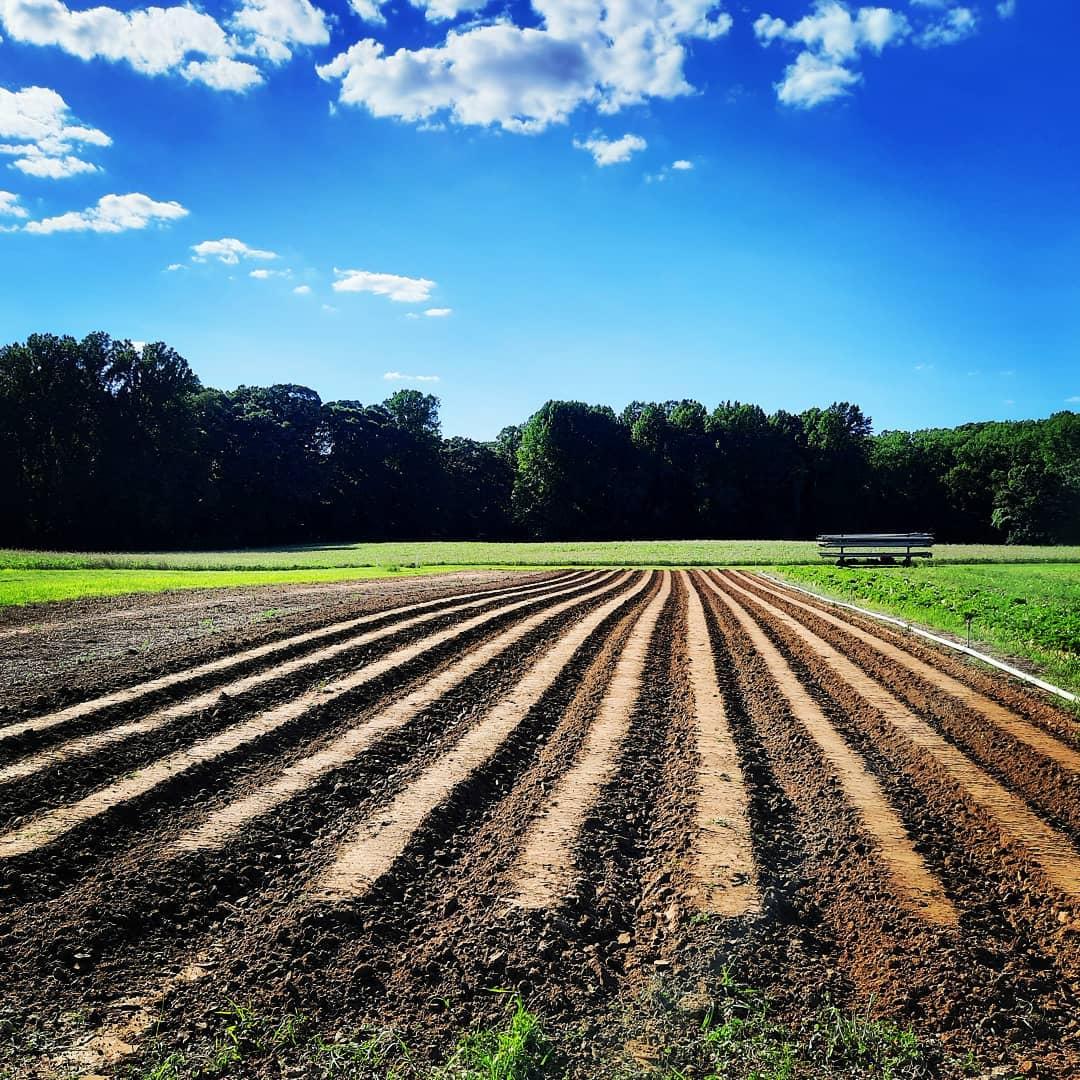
column 457, row 554
column 1026, row 611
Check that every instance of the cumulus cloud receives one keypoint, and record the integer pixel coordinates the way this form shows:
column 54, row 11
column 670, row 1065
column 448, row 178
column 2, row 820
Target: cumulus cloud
column 404, row 290
column 682, row 165
column 9, row 205
column 1006, row 9
column 302, row 290
column 441, row 10
column 173, row 267
column 228, row 250
column 833, row 38
column 276, row 25
column 38, row 130
column 400, row 376
column 112, row 214
column 439, row 312
column 611, row 151
column 831, row 31
column 262, row 275
column 179, row 39
column 953, row 26
column 813, row 80
column 525, row 78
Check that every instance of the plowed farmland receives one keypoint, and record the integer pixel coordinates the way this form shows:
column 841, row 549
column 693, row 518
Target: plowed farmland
column 615, row 794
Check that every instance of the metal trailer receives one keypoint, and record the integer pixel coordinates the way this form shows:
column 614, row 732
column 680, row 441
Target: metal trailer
column 883, row 548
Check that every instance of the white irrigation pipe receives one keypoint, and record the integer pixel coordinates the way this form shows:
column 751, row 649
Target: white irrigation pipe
column 912, row 629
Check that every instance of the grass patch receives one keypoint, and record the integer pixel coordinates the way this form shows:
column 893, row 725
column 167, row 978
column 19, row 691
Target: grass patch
column 38, row 586
column 1031, row 612
column 28, row 577
column 247, row 1042
column 406, row 556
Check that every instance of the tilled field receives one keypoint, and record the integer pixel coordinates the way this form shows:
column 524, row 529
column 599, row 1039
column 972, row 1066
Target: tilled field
column 613, row 792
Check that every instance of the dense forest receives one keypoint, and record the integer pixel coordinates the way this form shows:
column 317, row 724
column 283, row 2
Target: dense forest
column 105, row 446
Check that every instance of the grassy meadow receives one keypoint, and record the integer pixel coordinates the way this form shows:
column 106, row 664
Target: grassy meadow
column 455, row 554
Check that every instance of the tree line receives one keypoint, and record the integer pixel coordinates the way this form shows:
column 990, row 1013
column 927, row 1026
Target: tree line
column 106, row 445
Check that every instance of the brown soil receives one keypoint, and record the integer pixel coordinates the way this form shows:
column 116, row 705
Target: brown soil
column 603, row 790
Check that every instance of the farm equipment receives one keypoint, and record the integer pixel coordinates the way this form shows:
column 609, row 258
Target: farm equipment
column 883, row 548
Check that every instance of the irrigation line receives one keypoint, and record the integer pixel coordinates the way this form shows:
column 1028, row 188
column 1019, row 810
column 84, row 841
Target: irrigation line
column 913, row 629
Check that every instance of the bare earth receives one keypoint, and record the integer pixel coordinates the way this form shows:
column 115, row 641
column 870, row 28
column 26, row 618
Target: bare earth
column 371, row 802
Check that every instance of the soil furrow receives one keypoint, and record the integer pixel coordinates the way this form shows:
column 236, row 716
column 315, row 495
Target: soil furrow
column 393, row 925
column 134, row 910
column 1052, row 789
column 71, row 779
column 1006, row 719
column 992, row 686
column 1057, row 859
column 298, row 776
column 238, row 690
column 911, row 878
column 1006, row 977
column 47, row 827
column 547, row 863
column 619, row 795
column 723, row 860
column 80, row 711
column 379, row 841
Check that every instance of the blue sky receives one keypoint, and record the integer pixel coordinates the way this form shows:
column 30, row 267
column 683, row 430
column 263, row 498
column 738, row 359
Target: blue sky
column 781, row 202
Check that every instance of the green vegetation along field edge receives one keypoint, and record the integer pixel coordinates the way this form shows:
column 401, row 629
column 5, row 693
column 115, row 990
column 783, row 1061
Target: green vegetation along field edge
column 1028, row 611
column 453, row 554
column 39, row 586
column 738, row 1037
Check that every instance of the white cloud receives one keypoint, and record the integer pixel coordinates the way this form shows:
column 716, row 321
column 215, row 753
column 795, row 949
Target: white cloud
column 831, row 32
column 262, row 275
column 441, row 10
column 405, row 290
column 152, row 40
column 180, row 39
column 302, row 290
column 9, row 205
column 812, row 81
column 368, row 10
column 400, row 376
column 228, row 250
column 611, row 151
column 833, row 39
column 439, row 312
column 39, row 132
column 523, row 79
column 275, row 25
column 1006, row 9
column 954, row 26
column 222, row 73
column 329, row 307
column 173, row 267
column 682, row 165
column 112, row 214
